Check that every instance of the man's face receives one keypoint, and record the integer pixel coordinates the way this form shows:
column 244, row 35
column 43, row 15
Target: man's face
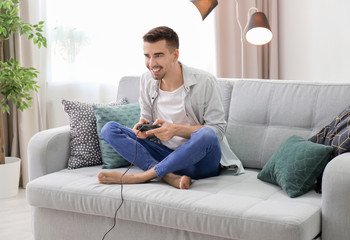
column 159, row 58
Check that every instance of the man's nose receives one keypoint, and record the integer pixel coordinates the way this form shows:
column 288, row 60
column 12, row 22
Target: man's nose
column 152, row 62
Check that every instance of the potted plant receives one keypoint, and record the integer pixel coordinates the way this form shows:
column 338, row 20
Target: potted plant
column 16, row 85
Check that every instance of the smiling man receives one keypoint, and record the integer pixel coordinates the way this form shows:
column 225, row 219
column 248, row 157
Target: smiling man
column 186, row 103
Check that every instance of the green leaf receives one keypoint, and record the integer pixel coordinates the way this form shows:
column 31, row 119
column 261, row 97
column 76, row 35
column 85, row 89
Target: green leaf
column 5, row 108
column 17, row 82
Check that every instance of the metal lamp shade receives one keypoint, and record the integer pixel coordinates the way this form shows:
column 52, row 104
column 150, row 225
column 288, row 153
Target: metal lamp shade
column 258, row 30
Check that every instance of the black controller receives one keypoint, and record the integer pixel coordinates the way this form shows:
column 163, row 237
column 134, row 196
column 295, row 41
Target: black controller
column 147, row 127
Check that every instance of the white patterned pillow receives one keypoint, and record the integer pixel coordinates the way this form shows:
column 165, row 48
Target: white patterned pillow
column 85, row 149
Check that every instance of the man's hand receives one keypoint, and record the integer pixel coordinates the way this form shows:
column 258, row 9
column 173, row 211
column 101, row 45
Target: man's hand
column 138, row 133
column 165, row 132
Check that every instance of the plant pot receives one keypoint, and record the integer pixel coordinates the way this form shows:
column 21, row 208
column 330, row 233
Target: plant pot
column 9, row 177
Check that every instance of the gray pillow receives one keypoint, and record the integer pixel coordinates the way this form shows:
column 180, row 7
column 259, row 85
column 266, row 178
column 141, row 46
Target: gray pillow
column 85, row 149
column 127, row 115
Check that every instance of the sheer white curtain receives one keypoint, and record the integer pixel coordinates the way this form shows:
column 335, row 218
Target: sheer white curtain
column 92, row 44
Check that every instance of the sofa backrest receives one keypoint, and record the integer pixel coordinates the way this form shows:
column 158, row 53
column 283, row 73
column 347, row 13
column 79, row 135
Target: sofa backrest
column 261, row 114
column 264, row 113
column 129, row 87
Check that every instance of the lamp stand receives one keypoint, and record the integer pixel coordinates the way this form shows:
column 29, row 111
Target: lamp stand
column 242, row 32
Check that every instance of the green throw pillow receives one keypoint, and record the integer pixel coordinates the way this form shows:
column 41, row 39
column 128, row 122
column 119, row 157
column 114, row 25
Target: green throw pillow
column 127, row 115
column 296, row 165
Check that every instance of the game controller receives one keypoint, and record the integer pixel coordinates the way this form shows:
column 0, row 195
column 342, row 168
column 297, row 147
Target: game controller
column 147, row 127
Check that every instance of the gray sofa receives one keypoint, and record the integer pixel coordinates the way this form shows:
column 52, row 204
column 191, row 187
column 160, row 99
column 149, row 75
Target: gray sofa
column 261, row 114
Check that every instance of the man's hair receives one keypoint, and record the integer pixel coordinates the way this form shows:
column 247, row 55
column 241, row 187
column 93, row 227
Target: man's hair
column 162, row 33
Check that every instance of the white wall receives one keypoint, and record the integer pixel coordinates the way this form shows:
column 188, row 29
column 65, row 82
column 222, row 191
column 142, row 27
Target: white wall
column 314, row 40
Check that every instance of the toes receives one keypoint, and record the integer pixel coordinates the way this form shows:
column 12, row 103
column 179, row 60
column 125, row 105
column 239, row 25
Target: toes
column 185, row 182
column 102, row 177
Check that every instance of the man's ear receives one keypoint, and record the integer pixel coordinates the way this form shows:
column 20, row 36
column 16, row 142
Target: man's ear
column 176, row 54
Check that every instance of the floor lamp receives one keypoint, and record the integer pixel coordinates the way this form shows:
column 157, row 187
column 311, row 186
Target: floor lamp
column 257, row 30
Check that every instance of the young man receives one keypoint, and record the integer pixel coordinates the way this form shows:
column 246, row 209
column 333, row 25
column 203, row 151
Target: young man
column 186, row 103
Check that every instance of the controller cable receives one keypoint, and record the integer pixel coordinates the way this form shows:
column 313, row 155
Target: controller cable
column 121, row 188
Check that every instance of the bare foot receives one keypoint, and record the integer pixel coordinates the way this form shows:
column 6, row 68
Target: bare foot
column 180, row 182
column 114, row 177
column 109, row 177
column 185, row 182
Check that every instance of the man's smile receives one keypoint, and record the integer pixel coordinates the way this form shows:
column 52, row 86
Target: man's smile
column 155, row 70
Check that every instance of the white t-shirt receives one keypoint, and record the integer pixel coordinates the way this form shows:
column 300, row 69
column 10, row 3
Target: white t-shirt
column 171, row 108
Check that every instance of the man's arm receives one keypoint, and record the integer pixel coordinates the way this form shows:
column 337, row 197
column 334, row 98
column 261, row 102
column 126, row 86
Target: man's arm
column 138, row 133
column 145, row 100
column 214, row 114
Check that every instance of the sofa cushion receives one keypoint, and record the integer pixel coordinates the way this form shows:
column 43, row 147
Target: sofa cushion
column 296, row 165
column 336, row 134
column 127, row 115
column 85, row 150
column 232, row 207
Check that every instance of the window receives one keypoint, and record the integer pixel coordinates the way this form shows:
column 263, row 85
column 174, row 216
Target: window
column 98, row 41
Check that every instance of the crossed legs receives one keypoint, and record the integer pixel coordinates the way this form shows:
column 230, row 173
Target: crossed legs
column 197, row 158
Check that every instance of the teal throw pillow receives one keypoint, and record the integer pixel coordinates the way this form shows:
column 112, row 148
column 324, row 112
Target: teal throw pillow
column 296, row 165
column 127, row 115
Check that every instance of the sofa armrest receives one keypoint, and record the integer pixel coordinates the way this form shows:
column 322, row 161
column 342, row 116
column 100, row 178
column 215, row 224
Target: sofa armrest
column 48, row 151
column 336, row 198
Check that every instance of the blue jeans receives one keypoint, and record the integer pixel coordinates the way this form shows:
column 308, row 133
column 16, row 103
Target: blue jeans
column 198, row 158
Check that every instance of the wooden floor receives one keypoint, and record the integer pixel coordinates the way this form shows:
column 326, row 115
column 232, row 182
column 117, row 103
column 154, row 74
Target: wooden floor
column 15, row 219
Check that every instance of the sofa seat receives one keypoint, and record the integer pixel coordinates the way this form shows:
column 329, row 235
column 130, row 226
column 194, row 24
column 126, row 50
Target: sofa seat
column 227, row 206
